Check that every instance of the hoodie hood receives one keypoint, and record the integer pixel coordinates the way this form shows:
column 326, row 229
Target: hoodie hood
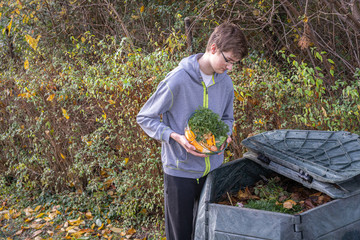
column 192, row 67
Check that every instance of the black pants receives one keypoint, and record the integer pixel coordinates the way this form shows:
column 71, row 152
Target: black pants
column 181, row 202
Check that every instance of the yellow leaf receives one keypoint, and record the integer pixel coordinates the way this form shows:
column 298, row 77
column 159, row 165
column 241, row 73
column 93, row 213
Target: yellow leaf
column 126, row 160
column 16, row 215
column 358, row 106
column 101, row 227
column 70, row 228
column 83, row 39
column 65, row 113
column 40, row 215
column 29, row 219
column 256, row 12
column 32, row 41
column 37, row 225
column 111, row 101
column 76, row 222
column 239, row 97
column 19, row 3
column 37, row 208
column 51, row 97
column 25, row 95
column 131, row 231
column 9, row 26
column 88, row 215
column 63, row 157
column 142, row 8
column 306, row 19
column 324, row 112
column 26, row 64
column 104, row 115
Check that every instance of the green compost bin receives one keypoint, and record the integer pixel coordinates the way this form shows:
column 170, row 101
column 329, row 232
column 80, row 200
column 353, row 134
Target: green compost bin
column 323, row 160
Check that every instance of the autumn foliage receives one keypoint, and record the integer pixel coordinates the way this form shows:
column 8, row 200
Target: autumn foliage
column 74, row 74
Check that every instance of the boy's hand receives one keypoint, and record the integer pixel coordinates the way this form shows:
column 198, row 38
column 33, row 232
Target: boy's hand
column 228, row 140
column 181, row 139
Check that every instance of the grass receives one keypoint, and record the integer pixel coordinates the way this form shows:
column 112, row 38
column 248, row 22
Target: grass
column 71, row 215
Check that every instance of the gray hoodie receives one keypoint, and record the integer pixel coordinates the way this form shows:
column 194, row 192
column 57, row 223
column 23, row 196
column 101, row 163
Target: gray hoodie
column 169, row 108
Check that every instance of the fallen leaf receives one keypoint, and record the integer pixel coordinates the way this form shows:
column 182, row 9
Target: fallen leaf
column 16, row 215
column 19, row 232
column 74, row 229
column 36, row 233
column 37, row 208
column 88, row 215
column 28, row 211
column 289, row 204
column 37, row 225
column 246, row 194
column 131, row 231
column 76, row 222
column 282, row 198
column 116, row 230
column 29, row 219
column 101, row 227
column 98, row 222
column 316, row 194
column 40, row 215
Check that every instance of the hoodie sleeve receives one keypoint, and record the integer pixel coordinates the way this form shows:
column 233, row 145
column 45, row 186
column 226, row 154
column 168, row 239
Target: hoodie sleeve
column 228, row 115
column 149, row 116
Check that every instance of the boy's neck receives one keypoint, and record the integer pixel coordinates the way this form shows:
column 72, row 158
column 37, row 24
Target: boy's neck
column 204, row 63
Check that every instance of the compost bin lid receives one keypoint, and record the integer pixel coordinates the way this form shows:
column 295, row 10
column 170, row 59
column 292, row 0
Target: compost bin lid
column 324, row 160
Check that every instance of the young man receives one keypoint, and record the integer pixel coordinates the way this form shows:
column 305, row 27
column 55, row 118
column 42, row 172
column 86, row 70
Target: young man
column 199, row 80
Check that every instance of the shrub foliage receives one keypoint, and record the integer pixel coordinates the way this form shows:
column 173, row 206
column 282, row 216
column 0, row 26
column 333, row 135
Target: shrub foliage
column 73, row 77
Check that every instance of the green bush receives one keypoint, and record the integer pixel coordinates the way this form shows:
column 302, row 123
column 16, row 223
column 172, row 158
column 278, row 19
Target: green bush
column 68, row 119
column 267, row 98
column 68, row 123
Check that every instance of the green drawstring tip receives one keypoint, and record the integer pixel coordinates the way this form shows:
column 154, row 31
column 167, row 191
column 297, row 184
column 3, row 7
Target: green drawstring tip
column 197, row 181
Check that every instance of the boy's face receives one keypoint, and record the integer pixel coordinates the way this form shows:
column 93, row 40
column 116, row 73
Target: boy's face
column 222, row 61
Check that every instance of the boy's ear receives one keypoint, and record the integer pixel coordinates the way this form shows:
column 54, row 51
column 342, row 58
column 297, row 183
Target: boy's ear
column 213, row 48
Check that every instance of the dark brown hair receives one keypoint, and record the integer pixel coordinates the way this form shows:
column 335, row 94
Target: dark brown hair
column 228, row 37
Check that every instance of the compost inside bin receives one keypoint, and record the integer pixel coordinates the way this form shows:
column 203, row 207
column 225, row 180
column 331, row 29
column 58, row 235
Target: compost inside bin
column 276, row 193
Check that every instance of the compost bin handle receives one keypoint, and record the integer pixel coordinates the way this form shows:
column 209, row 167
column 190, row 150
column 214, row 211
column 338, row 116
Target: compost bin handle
column 305, row 176
column 264, row 159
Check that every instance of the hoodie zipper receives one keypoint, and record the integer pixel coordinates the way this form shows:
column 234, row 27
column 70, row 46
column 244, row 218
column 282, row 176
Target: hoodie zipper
column 206, row 105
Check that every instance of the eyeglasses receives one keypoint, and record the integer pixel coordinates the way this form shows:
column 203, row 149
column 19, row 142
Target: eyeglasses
column 227, row 60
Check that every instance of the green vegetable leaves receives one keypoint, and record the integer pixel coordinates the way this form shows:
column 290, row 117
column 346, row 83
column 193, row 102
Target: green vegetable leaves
column 204, row 121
